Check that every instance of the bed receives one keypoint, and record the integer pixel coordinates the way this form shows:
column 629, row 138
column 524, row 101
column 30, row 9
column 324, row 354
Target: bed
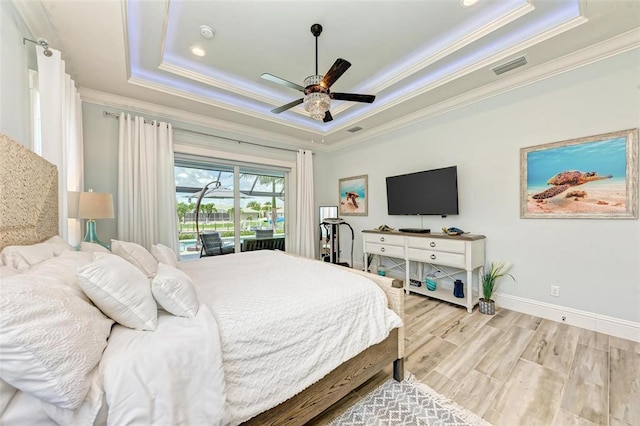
column 276, row 339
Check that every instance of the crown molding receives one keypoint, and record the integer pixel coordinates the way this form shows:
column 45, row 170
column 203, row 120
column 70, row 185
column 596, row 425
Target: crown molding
column 237, row 130
column 502, row 55
column 603, row 50
column 608, row 48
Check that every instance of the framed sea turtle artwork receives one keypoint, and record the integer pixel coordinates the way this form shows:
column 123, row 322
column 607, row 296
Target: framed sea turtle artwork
column 594, row 177
column 353, row 196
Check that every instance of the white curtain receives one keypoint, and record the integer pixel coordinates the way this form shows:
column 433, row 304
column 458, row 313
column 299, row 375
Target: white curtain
column 61, row 130
column 303, row 239
column 146, row 185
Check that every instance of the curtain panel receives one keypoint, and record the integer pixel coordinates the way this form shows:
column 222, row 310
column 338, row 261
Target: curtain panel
column 146, row 207
column 303, row 239
column 61, row 130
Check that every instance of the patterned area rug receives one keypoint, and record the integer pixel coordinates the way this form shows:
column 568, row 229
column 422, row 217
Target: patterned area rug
column 406, row 403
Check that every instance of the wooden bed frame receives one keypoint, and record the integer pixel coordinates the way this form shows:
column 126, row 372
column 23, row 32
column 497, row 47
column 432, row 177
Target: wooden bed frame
column 29, row 214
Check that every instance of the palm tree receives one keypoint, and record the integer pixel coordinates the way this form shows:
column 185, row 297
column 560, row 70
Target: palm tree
column 273, row 180
column 254, row 205
column 208, row 209
column 182, row 210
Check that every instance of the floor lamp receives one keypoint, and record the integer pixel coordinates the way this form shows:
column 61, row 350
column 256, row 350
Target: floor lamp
column 92, row 206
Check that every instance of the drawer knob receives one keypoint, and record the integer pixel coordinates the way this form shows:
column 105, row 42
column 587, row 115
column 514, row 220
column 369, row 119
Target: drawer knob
column 433, row 244
column 382, row 249
column 433, row 257
column 382, row 239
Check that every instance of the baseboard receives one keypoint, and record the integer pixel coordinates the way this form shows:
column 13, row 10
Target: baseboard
column 601, row 323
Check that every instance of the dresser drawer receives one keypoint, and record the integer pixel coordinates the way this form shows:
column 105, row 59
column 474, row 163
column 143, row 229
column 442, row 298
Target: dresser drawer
column 385, row 250
column 437, row 244
column 394, row 240
column 438, row 257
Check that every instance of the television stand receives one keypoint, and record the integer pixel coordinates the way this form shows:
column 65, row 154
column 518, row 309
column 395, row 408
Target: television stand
column 415, row 230
column 452, row 257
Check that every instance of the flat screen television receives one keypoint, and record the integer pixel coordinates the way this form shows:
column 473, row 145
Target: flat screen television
column 431, row 192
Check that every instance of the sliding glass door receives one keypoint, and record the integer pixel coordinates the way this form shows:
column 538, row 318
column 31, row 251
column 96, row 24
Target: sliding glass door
column 242, row 203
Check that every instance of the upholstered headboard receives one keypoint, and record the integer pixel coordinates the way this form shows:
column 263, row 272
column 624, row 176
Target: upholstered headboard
column 28, row 195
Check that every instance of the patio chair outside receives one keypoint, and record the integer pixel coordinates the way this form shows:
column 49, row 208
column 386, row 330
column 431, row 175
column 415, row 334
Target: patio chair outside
column 264, row 233
column 212, row 245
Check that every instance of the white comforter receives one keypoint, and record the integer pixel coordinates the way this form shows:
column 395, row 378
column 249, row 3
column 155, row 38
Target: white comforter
column 171, row 376
column 285, row 322
column 269, row 325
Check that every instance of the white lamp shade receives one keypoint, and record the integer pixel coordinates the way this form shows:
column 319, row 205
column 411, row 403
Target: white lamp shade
column 95, row 205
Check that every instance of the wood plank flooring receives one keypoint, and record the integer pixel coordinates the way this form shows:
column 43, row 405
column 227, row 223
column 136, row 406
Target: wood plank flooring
column 516, row 369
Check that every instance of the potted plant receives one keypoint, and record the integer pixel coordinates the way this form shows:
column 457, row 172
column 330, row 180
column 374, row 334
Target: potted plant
column 498, row 269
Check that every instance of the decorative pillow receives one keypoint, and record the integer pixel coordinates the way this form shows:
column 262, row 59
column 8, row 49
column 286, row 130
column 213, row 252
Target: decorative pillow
column 136, row 255
column 93, row 248
column 121, row 291
column 23, row 257
column 64, row 268
column 174, row 291
column 7, row 271
column 164, row 254
column 50, row 339
column 58, row 244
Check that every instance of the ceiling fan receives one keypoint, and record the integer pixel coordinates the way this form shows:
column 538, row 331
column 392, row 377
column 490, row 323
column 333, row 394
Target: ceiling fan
column 317, row 93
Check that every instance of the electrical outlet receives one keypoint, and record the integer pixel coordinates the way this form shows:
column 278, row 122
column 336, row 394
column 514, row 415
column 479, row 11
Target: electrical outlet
column 555, row 290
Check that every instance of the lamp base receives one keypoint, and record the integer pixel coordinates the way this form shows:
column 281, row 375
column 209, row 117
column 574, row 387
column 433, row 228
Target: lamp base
column 92, row 235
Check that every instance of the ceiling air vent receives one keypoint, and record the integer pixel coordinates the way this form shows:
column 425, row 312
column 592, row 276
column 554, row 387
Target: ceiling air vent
column 511, row 65
column 354, row 129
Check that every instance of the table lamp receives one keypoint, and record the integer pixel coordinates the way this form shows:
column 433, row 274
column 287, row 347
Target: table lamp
column 92, row 206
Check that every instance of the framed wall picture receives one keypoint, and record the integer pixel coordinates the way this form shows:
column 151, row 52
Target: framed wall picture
column 594, row 177
column 353, row 196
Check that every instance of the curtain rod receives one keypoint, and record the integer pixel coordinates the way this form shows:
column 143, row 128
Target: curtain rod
column 40, row 42
column 117, row 116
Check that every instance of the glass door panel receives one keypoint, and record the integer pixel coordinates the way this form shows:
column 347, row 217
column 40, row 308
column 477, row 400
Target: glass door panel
column 259, row 195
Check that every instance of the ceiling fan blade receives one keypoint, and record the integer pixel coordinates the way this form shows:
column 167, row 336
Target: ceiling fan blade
column 327, row 117
column 282, row 81
column 287, row 106
column 353, row 97
column 337, row 69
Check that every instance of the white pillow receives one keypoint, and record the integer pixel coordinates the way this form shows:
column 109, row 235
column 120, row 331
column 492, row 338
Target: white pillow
column 6, row 272
column 121, row 291
column 93, row 248
column 58, row 244
column 23, row 257
column 64, row 268
column 164, row 254
column 50, row 339
column 136, row 255
column 174, row 291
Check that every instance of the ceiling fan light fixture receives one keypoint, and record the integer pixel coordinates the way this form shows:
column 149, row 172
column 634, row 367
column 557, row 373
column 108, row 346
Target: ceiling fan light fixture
column 317, row 104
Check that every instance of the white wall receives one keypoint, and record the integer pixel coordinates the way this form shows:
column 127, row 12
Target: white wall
column 596, row 263
column 14, row 75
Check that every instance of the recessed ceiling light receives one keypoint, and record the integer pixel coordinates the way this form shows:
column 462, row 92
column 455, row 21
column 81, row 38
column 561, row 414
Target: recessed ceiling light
column 198, row 51
column 467, row 3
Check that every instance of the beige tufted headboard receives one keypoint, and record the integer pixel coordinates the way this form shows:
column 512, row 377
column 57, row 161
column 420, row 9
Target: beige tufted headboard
column 28, row 195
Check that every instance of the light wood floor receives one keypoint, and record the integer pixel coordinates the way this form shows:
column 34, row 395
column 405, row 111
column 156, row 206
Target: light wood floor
column 516, row 369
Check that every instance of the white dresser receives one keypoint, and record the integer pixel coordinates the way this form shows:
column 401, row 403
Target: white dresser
column 448, row 257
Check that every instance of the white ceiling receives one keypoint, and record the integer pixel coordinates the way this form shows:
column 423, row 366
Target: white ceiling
column 415, row 56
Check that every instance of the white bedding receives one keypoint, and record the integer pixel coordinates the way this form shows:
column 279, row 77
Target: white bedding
column 171, row 376
column 285, row 322
column 269, row 325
